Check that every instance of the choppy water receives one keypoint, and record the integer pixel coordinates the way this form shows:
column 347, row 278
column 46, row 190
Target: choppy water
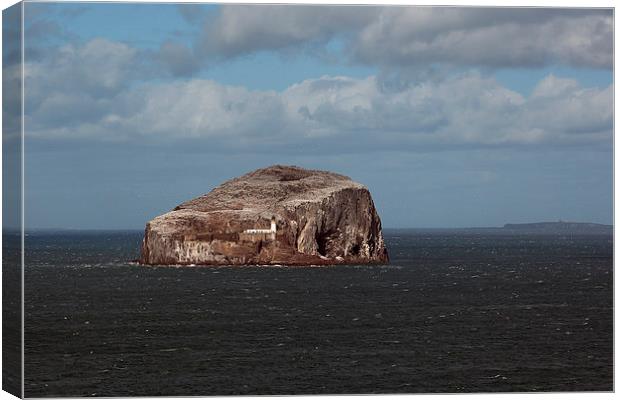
column 453, row 312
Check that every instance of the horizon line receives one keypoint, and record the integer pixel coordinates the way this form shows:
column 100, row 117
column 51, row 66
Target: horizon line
column 39, row 229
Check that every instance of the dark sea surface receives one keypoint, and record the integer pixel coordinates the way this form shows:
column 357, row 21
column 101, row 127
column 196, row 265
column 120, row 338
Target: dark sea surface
column 453, row 312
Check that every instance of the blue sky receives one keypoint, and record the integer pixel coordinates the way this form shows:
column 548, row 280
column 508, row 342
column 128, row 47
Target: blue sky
column 453, row 117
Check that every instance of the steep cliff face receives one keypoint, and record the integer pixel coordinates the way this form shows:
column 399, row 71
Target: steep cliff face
column 321, row 218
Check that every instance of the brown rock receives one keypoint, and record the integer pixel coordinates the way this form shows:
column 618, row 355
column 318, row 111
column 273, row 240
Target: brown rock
column 320, row 217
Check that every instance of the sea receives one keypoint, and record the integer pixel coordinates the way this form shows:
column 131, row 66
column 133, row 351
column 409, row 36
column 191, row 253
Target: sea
column 453, row 312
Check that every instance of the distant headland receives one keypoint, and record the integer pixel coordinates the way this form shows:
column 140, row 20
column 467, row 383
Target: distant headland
column 275, row 215
column 542, row 228
column 560, row 227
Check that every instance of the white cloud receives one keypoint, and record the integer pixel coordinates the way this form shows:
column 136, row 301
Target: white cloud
column 561, row 105
column 239, row 30
column 179, row 59
column 487, row 37
column 202, row 109
column 77, row 84
column 98, row 65
column 406, row 36
column 11, row 100
column 87, row 95
column 552, row 86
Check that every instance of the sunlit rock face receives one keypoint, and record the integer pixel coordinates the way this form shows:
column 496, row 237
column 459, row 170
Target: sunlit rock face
column 320, row 218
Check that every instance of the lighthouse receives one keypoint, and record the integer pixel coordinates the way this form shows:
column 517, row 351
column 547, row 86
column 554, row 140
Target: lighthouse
column 254, row 235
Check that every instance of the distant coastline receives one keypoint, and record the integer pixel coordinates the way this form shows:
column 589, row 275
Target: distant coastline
column 543, row 228
column 560, row 227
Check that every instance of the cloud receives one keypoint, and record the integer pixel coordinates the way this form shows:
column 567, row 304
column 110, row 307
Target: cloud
column 487, row 37
column 409, row 36
column 11, row 101
column 239, row 30
column 177, row 58
column 77, row 84
column 395, row 38
column 562, row 105
column 99, row 66
column 202, row 109
column 192, row 13
column 90, row 92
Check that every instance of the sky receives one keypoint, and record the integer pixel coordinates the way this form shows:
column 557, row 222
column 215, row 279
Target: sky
column 452, row 117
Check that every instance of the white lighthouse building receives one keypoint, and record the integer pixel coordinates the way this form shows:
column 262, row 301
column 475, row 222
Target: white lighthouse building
column 262, row 233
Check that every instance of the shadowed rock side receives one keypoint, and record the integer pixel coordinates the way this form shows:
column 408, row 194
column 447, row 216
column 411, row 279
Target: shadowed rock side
column 320, row 218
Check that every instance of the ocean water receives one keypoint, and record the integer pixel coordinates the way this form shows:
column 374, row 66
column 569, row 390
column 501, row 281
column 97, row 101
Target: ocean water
column 452, row 312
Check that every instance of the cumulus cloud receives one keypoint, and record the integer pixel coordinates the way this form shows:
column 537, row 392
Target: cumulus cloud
column 77, row 84
column 202, row 109
column 11, row 73
column 242, row 29
column 562, row 105
column 177, row 58
column 192, row 13
column 98, row 66
column 393, row 38
column 495, row 37
column 88, row 93
column 11, row 101
column 406, row 36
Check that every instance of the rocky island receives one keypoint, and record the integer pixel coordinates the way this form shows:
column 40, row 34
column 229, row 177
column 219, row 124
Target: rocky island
column 276, row 215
